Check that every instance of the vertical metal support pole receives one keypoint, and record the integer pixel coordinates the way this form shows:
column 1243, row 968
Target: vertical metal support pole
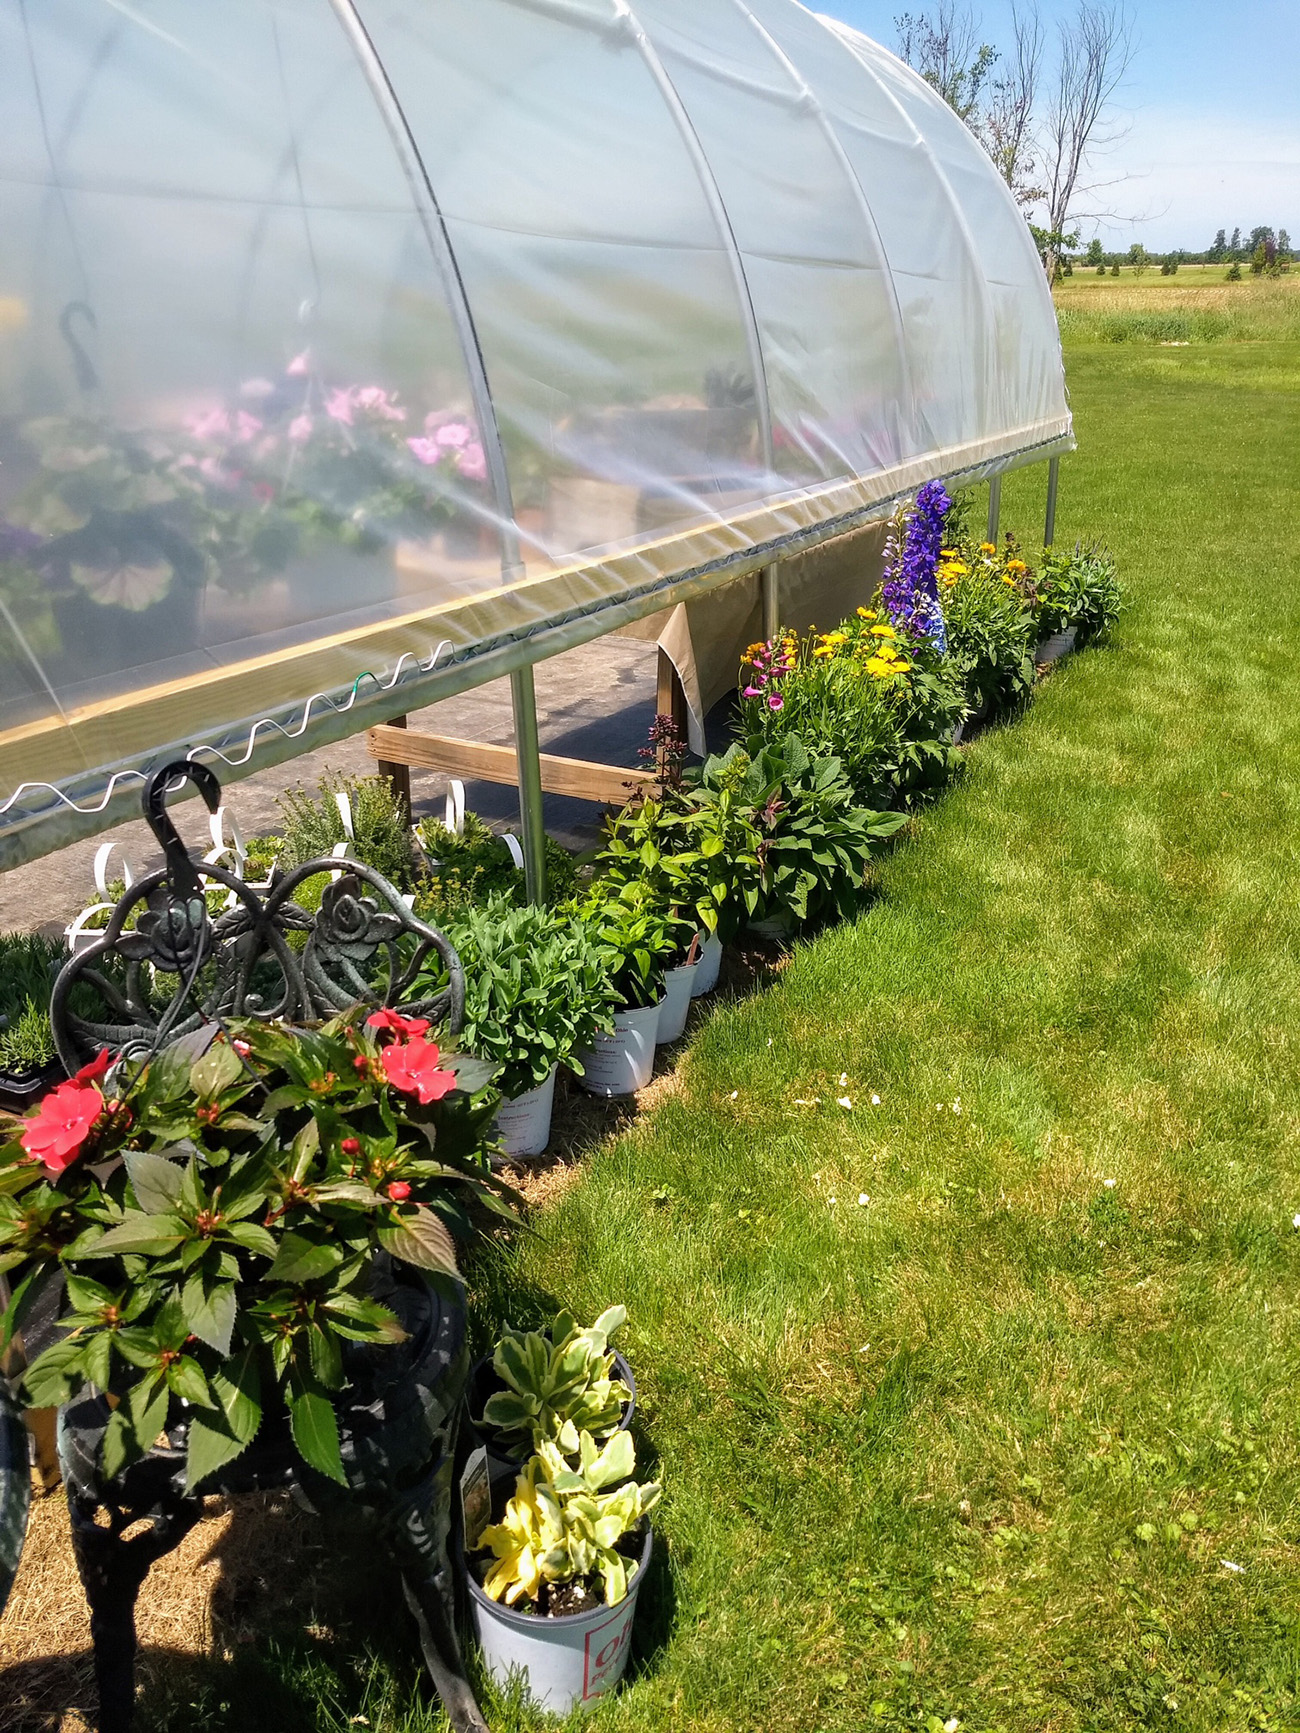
column 1053, row 481
column 771, row 600
column 527, row 758
column 995, row 508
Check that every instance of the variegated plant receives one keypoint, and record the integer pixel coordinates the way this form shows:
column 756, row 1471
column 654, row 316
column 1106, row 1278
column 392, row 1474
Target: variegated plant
column 563, row 1526
column 558, row 1385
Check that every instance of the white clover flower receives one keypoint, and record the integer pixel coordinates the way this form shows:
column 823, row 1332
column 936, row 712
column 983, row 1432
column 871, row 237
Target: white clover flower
column 844, row 1101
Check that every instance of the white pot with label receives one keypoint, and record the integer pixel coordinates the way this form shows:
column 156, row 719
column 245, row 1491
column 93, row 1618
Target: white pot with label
column 564, row 1663
column 622, row 1063
column 676, row 1004
column 524, row 1121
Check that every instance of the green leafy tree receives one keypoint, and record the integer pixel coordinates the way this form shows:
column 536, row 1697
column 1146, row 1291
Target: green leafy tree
column 1219, row 248
column 1094, row 256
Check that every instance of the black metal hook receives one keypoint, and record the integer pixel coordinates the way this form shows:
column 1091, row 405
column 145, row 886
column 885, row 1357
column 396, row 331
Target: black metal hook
column 181, row 872
column 82, row 365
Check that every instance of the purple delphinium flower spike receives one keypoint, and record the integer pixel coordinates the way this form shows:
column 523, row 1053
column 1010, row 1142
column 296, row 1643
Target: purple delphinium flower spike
column 911, row 589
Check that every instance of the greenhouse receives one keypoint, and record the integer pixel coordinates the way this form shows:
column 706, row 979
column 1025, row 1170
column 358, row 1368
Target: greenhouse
column 354, row 353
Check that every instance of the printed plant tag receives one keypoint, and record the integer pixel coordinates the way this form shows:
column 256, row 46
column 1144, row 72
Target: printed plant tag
column 475, row 1497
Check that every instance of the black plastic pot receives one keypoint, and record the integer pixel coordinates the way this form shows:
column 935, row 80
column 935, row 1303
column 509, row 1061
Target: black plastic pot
column 484, row 1382
column 19, row 1089
column 15, row 1488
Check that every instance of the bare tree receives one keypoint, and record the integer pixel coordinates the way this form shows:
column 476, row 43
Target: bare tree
column 945, row 48
column 1095, row 48
column 1007, row 125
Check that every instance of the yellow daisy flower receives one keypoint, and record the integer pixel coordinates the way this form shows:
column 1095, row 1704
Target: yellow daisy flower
column 868, row 614
column 883, row 632
column 988, row 547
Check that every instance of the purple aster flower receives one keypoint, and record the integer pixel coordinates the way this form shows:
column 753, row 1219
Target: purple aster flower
column 911, row 589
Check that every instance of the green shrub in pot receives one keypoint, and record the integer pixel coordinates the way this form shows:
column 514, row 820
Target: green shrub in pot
column 697, row 847
column 537, row 988
column 1080, row 589
column 28, row 965
column 558, row 1384
column 471, row 866
column 991, row 636
column 313, row 825
column 638, row 937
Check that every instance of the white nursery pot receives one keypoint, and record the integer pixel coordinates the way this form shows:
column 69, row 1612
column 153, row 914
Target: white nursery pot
column 1052, row 648
column 524, row 1121
column 622, row 1063
column 706, row 969
column 678, row 983
column 566, row 1663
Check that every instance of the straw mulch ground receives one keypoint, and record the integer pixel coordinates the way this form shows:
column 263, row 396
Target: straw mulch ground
column 248, row 1557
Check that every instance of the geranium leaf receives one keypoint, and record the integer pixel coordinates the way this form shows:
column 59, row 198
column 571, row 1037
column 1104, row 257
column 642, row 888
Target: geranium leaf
column 418, row 1237
column 155, row 1181
column 316, row 1433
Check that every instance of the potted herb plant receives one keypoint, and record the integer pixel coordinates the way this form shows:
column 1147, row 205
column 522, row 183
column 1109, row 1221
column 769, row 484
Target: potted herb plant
column 547, row 1386
column 537, row 992
column 553, row 1583
column 235, row 1228
column 637, row 939
column 28, row 1062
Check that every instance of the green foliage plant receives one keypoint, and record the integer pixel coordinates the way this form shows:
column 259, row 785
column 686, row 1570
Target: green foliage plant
column 558, row 1384
column 637, row 936
column 695, row 847
column 471, row 866
column 28, row 965
column 815, row 842
column 537, row 989
column 224, row 1260
column 838, row 704
column 1080, row 588
column 563, row 1526
column 313, row 826
column 991, row 634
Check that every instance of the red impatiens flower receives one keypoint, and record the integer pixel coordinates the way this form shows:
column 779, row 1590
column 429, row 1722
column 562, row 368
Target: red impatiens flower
column 399, row 1191
column 97, row 1067
column 395, row 1024
column 61, row 1124
column 412, row 1067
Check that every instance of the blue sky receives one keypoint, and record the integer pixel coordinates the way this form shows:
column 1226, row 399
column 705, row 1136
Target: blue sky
column 1210, row 110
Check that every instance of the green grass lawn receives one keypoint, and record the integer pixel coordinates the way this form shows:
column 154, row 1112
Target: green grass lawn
column 981, row 1403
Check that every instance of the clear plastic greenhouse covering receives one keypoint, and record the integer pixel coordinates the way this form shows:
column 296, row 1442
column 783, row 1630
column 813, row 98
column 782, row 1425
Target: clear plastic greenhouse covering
column 355, row 351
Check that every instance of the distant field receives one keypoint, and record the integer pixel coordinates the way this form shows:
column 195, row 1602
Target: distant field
column 1196, row 306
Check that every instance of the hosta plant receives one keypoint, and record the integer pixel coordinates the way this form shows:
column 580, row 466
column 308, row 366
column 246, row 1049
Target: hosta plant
column 558, row 1385
column 218, row 1218
column 562, row 1527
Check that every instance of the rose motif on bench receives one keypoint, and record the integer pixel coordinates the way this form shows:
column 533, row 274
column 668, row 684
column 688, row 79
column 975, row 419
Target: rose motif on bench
column 351, row 926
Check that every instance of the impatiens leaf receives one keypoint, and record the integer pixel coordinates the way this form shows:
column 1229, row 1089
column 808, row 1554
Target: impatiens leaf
column 134, row 1425
column 155, row 1181
column 219, row 1067
column 300, row 1259
column 185, row 1376
column 51, row 1379
column 96, row 1358
column 210, row 1311
column 316, row 1433
column 253, row 1238
column 326, row 1360
column 151, row 1235
column 418, row 1237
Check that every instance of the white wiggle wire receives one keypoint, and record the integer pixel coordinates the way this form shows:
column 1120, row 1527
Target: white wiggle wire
column 425, row 664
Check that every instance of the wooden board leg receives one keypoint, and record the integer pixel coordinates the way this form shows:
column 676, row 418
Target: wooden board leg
column 670, row 694
column 398, row 776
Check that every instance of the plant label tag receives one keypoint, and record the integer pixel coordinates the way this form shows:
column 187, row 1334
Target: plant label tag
column 475, row 1497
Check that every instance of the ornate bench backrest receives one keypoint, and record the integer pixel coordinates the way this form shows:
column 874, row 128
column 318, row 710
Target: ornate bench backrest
column 166, row 966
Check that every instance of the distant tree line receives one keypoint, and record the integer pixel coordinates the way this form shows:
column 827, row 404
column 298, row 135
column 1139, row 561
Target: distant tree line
column 1265, row 253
